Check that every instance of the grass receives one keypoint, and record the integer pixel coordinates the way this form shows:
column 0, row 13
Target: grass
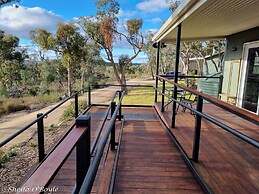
column 69, row 113
column 8, row 105
column 5, row 156
column 145, row 95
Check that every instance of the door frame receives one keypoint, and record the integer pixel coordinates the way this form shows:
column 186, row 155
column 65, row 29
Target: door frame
column 244, row 72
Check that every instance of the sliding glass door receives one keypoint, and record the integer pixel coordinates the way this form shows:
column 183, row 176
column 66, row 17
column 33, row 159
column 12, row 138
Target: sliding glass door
column 249, row 83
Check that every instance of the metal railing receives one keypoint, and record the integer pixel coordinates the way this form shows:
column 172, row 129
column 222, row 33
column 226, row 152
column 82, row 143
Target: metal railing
column 116, row 85
column 109, row 131
column 40, row 124
column 199, row 115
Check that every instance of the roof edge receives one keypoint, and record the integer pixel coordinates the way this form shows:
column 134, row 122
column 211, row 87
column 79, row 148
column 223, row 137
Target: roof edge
column 183, row 11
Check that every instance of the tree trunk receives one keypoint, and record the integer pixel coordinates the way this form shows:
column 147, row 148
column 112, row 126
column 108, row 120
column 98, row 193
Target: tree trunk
column 69, row 78
column 83, row 79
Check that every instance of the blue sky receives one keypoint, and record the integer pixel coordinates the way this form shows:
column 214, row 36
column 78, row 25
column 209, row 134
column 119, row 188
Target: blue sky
column 35, row 14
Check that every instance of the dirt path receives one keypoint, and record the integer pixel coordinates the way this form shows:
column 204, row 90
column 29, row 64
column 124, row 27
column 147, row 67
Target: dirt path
column 11, row 123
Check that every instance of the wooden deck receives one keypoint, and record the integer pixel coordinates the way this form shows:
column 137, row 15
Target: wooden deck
column 227, row 164
column 148, row 163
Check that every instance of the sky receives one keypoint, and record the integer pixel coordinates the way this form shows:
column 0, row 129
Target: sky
column 36, row 14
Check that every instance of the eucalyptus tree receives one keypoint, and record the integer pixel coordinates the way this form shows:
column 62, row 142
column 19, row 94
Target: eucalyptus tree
column 103, row 29
column 67, row 42
column 11, row 61
column 150, row 51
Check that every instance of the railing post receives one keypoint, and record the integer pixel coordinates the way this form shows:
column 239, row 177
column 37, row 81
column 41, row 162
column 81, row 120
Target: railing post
column 157, row 68
column 40, row 128
column 89, row 95
column 112, row 141
column 76, row 104
column 83, row 156
column 120, row 92
column 197, row 132
column 163, row 97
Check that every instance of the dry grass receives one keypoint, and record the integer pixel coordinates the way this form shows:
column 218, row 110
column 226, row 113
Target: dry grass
column 8, row 105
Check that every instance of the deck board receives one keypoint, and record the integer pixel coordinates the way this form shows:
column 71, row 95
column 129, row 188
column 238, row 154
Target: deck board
column 150, row 163
column 227, row 164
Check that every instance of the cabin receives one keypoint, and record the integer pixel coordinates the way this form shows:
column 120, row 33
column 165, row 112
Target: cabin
column 185, row 142
column 235, row 21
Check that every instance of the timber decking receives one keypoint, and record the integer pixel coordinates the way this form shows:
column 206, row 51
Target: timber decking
column 148, row 162
column 226, row 163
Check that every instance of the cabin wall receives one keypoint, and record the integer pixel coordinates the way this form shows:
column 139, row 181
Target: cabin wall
column 232, row 62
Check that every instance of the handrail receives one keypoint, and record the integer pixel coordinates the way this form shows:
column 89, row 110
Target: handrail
column 99, row 131
column 214, row 121
column 91, row 173
column 190, row 76
column 199, row 115
column 233, row 109
column 130, row 85
column 41, row 117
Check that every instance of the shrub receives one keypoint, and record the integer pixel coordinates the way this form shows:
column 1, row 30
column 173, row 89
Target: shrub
column 5, row 156
column 69, row 113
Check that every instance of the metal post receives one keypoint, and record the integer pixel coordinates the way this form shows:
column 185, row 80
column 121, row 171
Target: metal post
column 197, row 132
column 163, row 97
column 83, row 156
column 112, row 140
column 120, row 92
column 220, row 84
column 157, row 67
column 177, row 59
column 76, row 104
column 89, row 95
column 40, row 128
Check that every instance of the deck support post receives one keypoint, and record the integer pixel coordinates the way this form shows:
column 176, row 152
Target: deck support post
column 76, row 104
column 157, row 67
column 163, row 97
column 83, row 155
column 112, row 140
column 177, row 59
column 197, row 132
column 40, row 128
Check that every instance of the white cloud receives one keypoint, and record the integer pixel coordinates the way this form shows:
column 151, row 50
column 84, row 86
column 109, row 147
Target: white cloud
column 20, row 21
column 152, row 5
column 155, row 20
column 126, row 14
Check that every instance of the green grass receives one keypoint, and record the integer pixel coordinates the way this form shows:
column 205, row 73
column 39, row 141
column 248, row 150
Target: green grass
column 69, row 113
column 5, row 156
column 145, row 96
column 139, row 96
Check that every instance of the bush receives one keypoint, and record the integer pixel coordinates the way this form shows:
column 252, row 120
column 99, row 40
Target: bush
column 5, row 156
column 3, row 91
column 14, row 105
column 69, row 113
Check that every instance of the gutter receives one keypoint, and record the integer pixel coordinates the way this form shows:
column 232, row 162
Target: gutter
column 185, row 9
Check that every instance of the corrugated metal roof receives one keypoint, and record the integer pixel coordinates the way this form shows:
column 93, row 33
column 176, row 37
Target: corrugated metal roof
column 210, row 19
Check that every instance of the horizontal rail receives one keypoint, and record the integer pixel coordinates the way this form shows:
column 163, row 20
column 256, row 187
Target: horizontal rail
column 233, row 109
column 7, row 140
column 101, row 126
column 122, row 85
column 190, row 76
column 238, row 134
column 89, row 179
